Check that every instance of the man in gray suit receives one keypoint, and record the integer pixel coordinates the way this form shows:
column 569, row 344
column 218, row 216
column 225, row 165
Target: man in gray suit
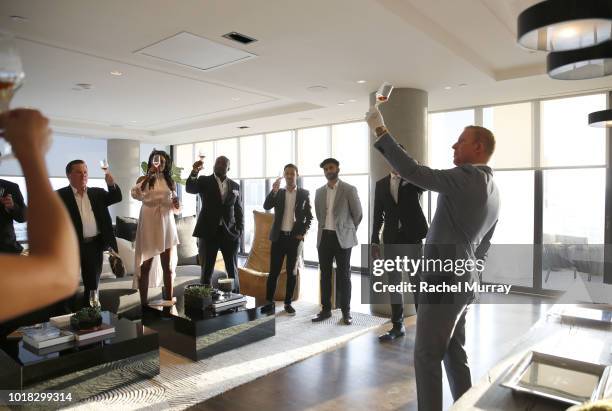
column 466, row 215
column 339, row 213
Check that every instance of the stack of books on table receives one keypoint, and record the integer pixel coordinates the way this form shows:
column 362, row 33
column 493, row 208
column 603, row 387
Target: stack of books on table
column 228, row 301
column 57, row 335
column 46, row 336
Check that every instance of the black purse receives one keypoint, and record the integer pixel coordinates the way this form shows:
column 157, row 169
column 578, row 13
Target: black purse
column 116, row 264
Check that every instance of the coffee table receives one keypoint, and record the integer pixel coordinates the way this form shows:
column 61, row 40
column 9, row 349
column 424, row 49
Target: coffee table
column 83, row 369
column 200, row 334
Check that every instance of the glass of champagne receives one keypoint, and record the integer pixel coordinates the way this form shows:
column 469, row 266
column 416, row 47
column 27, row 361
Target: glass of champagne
column 104, row 166
column 11, row 78
column 156, row 162
column 94, row 300
column 383, row 93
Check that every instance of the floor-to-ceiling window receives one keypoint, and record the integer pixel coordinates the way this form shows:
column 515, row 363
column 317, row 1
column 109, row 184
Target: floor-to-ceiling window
column 263, row 157
column 545, row 154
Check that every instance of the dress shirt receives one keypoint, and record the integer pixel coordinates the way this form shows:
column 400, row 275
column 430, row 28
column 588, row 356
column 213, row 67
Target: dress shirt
column 289, row 213
column 395, row 183
column 223, row 189
column 330, row 222
column 88, row 219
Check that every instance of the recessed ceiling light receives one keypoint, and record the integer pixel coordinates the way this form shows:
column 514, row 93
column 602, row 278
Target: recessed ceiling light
column 463, row 85
column 352, row 100
column 340, row 103
column 316, row 89
column 116, row 73
column 447, row 88
column 361, row 81
column 84, row 86
column 18, row 19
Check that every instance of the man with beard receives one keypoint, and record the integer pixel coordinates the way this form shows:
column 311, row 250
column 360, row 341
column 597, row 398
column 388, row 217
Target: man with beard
column 292, row 218
column 339, row 213
column 221, row 220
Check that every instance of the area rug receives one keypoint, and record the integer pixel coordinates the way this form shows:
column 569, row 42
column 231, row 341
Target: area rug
column 183, row 383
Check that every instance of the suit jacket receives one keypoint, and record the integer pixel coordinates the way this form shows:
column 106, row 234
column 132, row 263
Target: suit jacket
column 347, row 213
column 407, row 210
column 467, row 209
column 213, row 209
column 8, row 241
column 303, row 215
column 100, row 200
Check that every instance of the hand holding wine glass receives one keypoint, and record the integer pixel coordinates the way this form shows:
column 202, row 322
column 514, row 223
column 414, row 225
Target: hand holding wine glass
column 104, row 166
column 11, row 78
column 276, row 185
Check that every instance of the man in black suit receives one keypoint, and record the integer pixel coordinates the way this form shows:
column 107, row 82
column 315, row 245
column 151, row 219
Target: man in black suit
column 292, row 218
column 12, row 208
column 221, row 220
column 396, row 204
column 88, row 209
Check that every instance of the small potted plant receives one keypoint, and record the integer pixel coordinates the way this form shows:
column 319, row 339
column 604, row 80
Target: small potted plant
column 198, row 296
column 85, row 318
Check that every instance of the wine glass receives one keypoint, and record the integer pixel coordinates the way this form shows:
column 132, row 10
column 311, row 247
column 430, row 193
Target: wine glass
column 11, row 78
column 156, row 162
column 104, row 166
column 201, row 154
column 94, row 300
column 383, row 93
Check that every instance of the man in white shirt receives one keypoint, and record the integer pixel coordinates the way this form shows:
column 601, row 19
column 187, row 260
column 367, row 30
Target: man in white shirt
column 339, row 213
column 292, row 218
column 88, row 208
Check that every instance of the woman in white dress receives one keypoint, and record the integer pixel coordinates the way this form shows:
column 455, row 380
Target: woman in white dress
column 156, row 235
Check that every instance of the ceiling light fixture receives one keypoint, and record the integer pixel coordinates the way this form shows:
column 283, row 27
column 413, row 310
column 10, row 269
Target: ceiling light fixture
column 447, row 88
column 116, row 73
column 601, row 118
column 352, row 100
column 581, row 64
column 559, row 25
column 18, row 19
column 341, row 104
column 243, row 127
column 361, row 81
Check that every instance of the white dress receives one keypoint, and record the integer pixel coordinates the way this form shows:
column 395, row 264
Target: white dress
column 156, row 230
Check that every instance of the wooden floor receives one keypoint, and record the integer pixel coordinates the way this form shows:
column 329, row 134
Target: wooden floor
column 364, row 374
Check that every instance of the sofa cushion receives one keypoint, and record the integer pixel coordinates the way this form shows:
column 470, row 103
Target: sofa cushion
column 127, row 254
column 125, row 227
column 187, row 250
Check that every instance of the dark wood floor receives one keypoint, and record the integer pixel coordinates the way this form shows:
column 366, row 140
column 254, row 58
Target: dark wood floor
column 366, row 375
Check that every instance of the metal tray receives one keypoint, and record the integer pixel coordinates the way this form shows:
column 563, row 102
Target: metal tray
column 588, row 314
column 557, row 378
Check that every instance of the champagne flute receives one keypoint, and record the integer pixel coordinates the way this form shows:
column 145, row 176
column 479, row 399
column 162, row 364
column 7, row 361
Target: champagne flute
column 94, row 300
column 104, row 166
column 11, row 78
column 383, row 93
column 156, row 162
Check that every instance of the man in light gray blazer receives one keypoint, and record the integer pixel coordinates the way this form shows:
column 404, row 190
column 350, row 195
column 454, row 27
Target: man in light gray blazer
column 339, row 213
column 461, row 229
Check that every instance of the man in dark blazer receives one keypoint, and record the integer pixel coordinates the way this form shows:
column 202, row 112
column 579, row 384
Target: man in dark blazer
column 221, row 220
column 12, row 208
column 292, row 218
column 88, row 209
column 396, row 205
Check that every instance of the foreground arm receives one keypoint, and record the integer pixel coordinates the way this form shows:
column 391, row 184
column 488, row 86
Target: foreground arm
column 51, row 271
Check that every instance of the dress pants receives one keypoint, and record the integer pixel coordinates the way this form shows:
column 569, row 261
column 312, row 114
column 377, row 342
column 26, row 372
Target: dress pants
column 286, row 245
column 329, row 249
column 208, row 248
column 91, row 253
column 402, row 246
column 440, row 336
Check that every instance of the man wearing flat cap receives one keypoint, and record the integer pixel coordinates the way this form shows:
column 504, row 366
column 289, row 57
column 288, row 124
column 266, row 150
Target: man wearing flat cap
column 338, row 213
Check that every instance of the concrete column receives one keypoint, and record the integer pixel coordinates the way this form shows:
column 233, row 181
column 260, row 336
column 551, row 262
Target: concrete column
column 124, row 163
column 405, row 115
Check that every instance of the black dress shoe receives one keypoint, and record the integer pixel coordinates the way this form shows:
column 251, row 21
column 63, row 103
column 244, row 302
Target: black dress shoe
column 392, row 334
column 322, row 316
column 289, row 309
column 269, row 308
column 347, row 319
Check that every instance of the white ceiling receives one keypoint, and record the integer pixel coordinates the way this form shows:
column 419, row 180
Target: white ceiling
column 425, row 44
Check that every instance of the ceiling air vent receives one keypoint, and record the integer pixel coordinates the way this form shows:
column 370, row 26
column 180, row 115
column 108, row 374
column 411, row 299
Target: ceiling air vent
column 243, row 127
column 240, row 38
